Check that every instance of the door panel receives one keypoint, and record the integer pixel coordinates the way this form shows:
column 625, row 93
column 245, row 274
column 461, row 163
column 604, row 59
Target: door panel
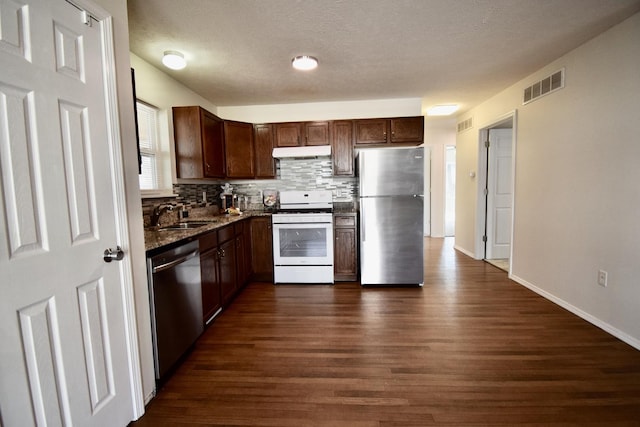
column 499, row 198
column 65, row 358
column 24, row 216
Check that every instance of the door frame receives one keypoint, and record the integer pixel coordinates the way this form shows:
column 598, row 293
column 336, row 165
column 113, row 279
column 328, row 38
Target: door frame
column 445, row 192
column 481, row 200
column 114, row 139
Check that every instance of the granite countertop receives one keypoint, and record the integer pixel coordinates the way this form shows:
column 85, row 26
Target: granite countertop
column 154, row 238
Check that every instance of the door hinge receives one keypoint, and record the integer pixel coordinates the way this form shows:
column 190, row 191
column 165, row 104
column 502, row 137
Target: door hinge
column 86, row 18
column 484, row 239
column 487, row 143
column 86, row 15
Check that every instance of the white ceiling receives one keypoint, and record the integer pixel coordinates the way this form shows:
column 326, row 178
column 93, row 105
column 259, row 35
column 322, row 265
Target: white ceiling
column 443, row 51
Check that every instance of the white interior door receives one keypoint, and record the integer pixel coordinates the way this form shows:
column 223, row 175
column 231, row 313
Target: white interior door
column 65, row 357
column 499, row 196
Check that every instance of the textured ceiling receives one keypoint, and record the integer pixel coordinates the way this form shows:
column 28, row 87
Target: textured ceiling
column 443, row 51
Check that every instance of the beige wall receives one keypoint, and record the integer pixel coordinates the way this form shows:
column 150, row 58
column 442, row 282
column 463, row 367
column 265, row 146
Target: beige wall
column 323, row 110
column 439, row 132
column 577, row 191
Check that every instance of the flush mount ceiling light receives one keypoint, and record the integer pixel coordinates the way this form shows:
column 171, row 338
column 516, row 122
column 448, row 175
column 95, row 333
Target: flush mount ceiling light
column 304, row 62
column 442, row 110
column 174, row 60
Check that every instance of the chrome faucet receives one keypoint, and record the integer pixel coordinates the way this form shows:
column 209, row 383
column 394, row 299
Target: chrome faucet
column 157, row 212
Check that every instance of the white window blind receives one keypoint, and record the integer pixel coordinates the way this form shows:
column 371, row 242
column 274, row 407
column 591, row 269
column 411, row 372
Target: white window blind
column 149, row 149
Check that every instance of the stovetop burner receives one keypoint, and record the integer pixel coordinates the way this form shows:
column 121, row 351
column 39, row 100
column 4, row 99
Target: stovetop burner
column 295, row 202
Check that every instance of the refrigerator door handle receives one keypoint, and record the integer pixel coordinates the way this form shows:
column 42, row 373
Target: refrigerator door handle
column 363, row 234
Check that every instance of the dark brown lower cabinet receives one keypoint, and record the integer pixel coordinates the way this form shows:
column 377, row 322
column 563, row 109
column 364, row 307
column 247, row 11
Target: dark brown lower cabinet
column 227, row 263
column 345, row 247
column 262, row 249
column 243, row 252
column 211, row 296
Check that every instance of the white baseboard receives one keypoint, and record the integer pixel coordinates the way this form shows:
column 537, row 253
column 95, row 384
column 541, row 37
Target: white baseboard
column 464, row 251
column 578, row 312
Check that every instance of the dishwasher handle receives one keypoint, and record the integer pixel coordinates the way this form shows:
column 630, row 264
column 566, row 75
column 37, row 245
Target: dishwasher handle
column 162, row 267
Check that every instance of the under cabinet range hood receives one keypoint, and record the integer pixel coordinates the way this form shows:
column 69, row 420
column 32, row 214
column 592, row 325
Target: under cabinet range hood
column 305, row 151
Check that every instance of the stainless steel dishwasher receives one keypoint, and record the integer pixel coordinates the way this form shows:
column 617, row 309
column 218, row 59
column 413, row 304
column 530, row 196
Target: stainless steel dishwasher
column 176, row 304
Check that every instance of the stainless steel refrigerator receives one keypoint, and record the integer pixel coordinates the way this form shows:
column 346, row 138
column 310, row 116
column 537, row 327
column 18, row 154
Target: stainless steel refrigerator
column 391, row 198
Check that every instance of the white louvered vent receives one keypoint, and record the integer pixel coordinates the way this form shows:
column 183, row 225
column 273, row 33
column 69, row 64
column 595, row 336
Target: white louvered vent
column 465, row 124
column 544, row 87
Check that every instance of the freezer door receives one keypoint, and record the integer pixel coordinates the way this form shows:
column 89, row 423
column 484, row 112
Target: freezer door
column 391, row 171
column 391, row 240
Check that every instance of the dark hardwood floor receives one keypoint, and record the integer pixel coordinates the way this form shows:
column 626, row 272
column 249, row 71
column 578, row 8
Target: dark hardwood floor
column 470, row 348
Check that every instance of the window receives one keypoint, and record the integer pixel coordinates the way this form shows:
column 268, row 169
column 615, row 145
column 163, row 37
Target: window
column 150, row 151
column 148, row 141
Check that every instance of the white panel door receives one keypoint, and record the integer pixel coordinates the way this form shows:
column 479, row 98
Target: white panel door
column 64, row 357
column 499, row 197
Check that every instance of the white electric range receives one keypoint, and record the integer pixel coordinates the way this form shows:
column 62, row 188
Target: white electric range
column 303, row 237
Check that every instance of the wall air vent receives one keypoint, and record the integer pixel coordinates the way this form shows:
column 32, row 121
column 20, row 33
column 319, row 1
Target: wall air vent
column 465, row 124
column 545, row 86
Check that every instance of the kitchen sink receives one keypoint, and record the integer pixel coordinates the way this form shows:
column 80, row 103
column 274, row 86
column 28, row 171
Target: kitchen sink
column 185, row 225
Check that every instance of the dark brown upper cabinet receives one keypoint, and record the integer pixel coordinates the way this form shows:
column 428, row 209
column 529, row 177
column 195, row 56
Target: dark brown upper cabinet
column 399, row 130
column 317, row 133
column 342, row 148
column 371, row 131
column 407, row 129
column 265, row 164
column 288, row 134
column 239, row 149
column 296, row 134
column 199, row 143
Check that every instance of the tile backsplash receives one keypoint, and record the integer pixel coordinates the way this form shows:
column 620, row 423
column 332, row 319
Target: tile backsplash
column 292, row 174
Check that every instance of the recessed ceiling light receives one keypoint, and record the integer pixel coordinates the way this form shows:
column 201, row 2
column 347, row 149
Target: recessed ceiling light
column 442, row 110
column 304, row 62
column 174, row 60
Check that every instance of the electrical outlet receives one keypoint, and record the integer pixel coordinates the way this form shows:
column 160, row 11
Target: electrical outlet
column 602, row 278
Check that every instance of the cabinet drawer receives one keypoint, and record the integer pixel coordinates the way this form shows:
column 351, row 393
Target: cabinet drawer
column 208, row 241
column 345, row 221
column 225, row 233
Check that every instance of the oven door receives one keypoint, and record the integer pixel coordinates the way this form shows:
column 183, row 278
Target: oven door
column 303, row 244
